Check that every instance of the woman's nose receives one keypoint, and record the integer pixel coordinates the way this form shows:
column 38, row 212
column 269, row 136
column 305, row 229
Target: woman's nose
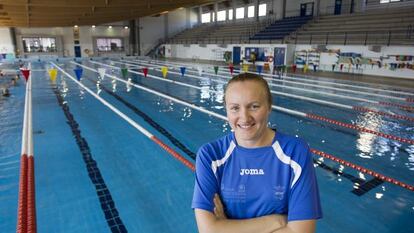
column 244, row 114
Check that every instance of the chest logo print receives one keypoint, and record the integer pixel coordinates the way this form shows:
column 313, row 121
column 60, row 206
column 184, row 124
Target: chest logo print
column 251, row 172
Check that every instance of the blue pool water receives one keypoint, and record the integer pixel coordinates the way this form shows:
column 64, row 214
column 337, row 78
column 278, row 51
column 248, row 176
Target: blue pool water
column 96, row 173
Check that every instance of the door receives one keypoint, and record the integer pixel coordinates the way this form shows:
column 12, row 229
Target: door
column 338, row 6
column 78, row 51
column 236, row 55
column 303, row 10
column 306, row 9
column 279, row 56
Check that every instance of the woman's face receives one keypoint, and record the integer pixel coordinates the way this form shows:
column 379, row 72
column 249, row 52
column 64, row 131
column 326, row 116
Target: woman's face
column 247, row 112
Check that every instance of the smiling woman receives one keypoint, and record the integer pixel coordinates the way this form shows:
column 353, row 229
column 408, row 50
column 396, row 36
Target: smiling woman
column 254, row 179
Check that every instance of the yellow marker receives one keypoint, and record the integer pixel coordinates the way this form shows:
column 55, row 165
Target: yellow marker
column 164, row 71
column 245, row 67
column 52, row 74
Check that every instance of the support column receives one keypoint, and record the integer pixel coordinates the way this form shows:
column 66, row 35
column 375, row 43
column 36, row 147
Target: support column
column 14, row 40
column 284, row 9
column 256, row 9
column 200, row 12
column 233, row 3
column 138, row 36
column 132, row 37
column 165, row 27
column 317, row 7
column 215, row 12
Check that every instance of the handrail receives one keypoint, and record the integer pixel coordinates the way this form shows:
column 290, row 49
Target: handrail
column 385, row 37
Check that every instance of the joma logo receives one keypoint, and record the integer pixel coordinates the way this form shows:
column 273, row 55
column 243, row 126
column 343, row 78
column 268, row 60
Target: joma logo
column 251, row 172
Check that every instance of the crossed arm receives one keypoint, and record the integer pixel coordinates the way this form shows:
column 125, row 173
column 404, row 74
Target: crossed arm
column 217, row 222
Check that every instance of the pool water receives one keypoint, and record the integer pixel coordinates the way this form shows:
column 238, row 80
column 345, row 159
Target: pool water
column 97, row 173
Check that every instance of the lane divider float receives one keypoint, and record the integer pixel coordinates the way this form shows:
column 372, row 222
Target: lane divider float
column 141, row 129
column 317, row 152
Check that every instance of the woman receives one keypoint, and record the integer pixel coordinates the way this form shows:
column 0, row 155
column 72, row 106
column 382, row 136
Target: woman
column 254, row 179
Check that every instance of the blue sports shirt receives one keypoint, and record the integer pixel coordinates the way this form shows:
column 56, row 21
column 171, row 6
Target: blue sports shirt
column 254, row 182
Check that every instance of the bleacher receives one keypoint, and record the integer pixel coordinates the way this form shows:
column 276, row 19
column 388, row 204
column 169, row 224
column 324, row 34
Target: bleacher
column 391, row 27
column 221, row 32
column 281, row 28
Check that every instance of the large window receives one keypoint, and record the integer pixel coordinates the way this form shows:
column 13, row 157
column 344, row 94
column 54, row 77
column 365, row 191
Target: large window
column 231, row 14
column 221, row 15
column 250, row 11
column 110, row 44
column 240, row 13
column 39, row 44
column 262, row 9
column 388, row 1
column 206, row 18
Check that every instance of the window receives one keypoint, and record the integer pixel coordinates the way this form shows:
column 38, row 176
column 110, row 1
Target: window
column 250, row 11
column 39, row 44
column 110, row 44
column 213, row 16
column 205, row 18
column 262, row 9
column 240, row 13
column 231, row 14
column 388, row 1
column 221, row 15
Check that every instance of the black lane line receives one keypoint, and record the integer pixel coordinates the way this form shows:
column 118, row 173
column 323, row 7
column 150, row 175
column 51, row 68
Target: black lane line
column 107, row 203
column 367, row 186
column 364, row 186
column 148, row 119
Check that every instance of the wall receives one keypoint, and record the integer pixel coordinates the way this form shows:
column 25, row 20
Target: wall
column 215, row 52
column 65, row 38
column 6, row 45
column 385, row 56
column 154, row 30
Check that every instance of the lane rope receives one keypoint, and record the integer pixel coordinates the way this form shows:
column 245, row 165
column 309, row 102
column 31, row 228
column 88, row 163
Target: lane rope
column 26, row 207
column 400, row 92
column 301, row 114
column 318, row 101
column 176, row 155
column 331, row 157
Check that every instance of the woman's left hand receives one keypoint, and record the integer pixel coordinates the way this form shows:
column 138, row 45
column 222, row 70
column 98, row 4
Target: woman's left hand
column 218, row 208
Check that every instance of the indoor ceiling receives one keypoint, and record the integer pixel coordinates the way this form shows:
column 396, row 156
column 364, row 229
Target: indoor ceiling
column 60, row 13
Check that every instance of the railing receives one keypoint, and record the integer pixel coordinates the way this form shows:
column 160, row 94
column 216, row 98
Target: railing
column 256, row 26
column 381, row 37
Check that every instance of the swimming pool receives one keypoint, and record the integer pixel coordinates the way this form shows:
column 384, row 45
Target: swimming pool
column 97, row 173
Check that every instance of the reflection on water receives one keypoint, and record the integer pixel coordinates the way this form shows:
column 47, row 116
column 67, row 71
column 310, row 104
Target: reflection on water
column 64, row 87
column 113, row 85
column 366, row 141
column 129, row 85
column 205, row 93
column 371, row 146
column 410, row 151
column 187, row 113
column 165, row 105
column 98, row 87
